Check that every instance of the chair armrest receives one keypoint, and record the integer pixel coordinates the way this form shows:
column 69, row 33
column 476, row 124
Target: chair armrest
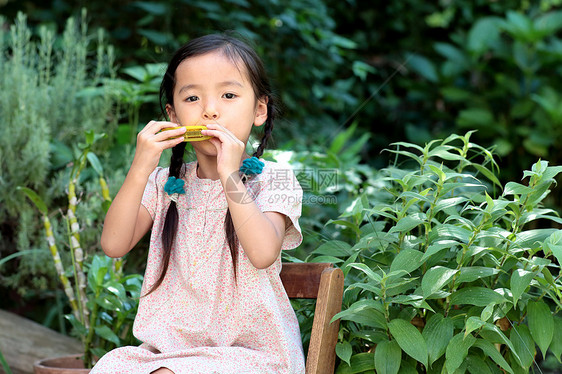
column 322, row 349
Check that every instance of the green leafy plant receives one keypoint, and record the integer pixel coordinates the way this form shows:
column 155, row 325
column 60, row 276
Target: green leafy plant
column 498, row 79
column 55, row 87
column 103, row 302
column 448, row 271
column 133, row 94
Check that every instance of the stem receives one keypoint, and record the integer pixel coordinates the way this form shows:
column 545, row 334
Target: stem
column 4, row 363
column 91, row 330
column 67, row 287
column 555, row 290
column 430, row 216
column 76, row 285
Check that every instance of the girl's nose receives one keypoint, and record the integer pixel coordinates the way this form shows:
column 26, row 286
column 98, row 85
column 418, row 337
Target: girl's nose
column 210, row 112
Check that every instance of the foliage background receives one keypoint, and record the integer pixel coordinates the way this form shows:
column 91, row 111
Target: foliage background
column 354, row 76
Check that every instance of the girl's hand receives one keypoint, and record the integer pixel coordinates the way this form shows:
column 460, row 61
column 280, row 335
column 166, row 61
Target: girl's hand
column 229, row 149
column 151, row 142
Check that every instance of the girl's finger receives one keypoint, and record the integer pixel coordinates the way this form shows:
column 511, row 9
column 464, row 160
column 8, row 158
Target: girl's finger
column 163, row 135
column 218, row 127
column 220, row 132
column 153, row 127
column 170, row 143
column 222, row 136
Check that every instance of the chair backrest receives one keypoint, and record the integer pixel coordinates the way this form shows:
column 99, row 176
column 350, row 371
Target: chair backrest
column 323, row 282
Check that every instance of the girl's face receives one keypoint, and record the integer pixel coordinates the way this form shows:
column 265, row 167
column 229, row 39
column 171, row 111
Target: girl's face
column 210, row 88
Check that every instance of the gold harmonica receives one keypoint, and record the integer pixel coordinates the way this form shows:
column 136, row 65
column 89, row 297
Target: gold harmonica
column 192, row 134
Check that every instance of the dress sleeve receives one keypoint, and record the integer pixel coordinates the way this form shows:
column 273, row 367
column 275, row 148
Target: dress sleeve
column 280, row 191
column 150, row 195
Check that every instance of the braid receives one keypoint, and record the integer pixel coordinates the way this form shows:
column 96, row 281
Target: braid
column 268, row 127
column 171, row 221
column 231, row 236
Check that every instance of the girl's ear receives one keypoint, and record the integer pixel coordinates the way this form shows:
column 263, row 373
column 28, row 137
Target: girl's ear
column 171, row 113
column 261, row 111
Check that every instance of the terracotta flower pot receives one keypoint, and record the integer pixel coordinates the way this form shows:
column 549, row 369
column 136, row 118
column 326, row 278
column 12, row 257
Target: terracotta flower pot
column 61, row 365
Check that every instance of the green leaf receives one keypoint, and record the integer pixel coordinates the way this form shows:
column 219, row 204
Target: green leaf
column 472, row 273
column 457, row 350
column 449, row 203
column 541, row 324
column 367, row 271
column 459, row 233
column 483, row 34
column 345, row 223
column 106, row 333
column 475, row 118
column 520, row 280
column 438, row 171
column 490, row 350
column 493, row 333
column 344, row 351
column 487, row 312
column 407, row 260
column 488, row 174
column 437, row 332
column 513, row 188
column 473, row 323
column 406, row 224
column 97, row 271
column 549, row 23
column 524, row 345
column 410, row 339
column 364, row 312
column 533, row 238
column 478, row 296
column 477, row 366
column 336, row 248
column 152, row 7
column 387, row 357
column 408, row 367
column 451, row 52
column 554, row 243
column 360, row 363
column 156, row 37
column 435, row 278
column 95, row 162
column 332, row 259
column 556, row 345
column 22, row 252
column 423, row 66
column 438, row 247
column 36, row 199
column 77, row 326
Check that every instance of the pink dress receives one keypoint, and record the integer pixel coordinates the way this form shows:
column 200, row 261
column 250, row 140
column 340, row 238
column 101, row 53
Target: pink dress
column 200, row 320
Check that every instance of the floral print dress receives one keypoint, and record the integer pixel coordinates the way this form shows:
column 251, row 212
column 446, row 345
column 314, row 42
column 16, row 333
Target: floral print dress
column 201, row 319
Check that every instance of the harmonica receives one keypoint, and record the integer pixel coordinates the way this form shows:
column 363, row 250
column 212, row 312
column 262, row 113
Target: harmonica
column 192, row 134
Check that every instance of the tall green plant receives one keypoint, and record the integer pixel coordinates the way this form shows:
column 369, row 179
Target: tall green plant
column 448, row 271
column 45, row 79
column 54, row 87
column 102, row 301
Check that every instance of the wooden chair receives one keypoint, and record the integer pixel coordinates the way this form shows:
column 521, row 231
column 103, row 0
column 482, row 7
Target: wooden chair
column 323, row 282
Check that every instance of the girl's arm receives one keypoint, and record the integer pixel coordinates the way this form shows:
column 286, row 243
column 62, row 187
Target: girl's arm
column 260, row 233
column 127, row 221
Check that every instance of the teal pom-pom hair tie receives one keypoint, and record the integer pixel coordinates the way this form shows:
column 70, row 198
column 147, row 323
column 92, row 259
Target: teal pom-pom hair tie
column 251, row 166
column 173, row 187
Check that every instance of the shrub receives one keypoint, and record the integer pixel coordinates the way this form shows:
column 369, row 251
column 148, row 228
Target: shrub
column 448, row 271
column 103, row 302
column 53, row 89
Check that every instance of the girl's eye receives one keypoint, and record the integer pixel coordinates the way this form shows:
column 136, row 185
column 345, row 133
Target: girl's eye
column 192, row 98
column 229, row 95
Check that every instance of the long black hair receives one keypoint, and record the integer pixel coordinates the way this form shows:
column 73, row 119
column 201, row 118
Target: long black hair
column 243, row 55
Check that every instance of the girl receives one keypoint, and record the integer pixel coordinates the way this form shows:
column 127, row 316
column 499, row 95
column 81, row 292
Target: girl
column 212, row 299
